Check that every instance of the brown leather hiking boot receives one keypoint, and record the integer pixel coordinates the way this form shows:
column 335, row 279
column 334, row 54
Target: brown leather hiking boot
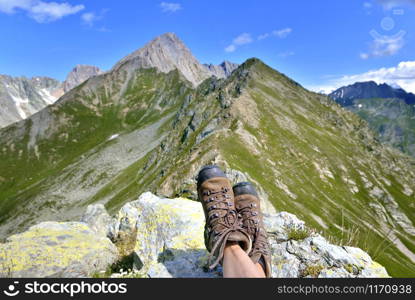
column 248, row 206
column 222, row 222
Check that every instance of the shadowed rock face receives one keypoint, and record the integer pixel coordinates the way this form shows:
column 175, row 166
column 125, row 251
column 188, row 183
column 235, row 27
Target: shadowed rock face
column 78, row 75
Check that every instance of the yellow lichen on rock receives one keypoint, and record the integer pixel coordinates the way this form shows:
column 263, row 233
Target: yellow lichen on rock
column 54, row 248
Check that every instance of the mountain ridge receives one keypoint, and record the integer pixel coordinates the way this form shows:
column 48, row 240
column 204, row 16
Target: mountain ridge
column 369, row 89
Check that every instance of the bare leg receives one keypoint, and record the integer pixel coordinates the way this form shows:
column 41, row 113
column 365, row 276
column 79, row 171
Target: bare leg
column 236, row 263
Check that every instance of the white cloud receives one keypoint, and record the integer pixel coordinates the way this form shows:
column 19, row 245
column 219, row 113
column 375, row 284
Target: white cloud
column 242, row 39
column 263, row 36
column 402, row 75
column 246, row 38
column 44, row 12
column 230, row 48
column 89, row 18
column 170, row 6
column 40, row 11
column 10, row 6
column 364, row 55
column 282, row 33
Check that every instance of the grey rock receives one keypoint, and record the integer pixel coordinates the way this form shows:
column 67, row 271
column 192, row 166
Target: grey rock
column 78, row 75
column 333, row 255
column 20, row 97
column 169, row 234
column 222, row 70
column 98, row 219
column 53, row 249
column 166, row 53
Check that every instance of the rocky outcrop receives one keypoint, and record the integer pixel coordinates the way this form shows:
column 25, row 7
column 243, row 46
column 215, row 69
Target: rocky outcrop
column 165, row 239
column 56, row 249
column 78, row 75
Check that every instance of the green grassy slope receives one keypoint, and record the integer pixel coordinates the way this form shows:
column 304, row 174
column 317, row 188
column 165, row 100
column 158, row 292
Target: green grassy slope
column 392, row 119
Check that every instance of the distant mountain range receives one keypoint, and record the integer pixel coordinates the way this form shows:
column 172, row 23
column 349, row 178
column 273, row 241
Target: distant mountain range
column 20, row 97
column 389, row 111
column 370, row 89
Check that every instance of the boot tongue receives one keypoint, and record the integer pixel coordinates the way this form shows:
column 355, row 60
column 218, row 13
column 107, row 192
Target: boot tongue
column 243, row 241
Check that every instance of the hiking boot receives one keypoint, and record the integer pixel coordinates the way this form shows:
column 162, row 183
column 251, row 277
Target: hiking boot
column 222, row 222
column 248, row 206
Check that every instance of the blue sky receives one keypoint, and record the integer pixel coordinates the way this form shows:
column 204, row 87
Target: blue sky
column 322, row 44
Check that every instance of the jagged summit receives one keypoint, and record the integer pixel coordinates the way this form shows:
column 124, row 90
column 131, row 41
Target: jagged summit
column 78, row 75
column 222, row 70
column 166, row 53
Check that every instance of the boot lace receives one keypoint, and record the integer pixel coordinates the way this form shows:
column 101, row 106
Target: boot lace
column 252, row 225
column 222, row 226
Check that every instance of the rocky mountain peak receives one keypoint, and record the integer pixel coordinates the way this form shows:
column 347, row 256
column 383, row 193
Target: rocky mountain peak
column 166, row 53
column 78, row 75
